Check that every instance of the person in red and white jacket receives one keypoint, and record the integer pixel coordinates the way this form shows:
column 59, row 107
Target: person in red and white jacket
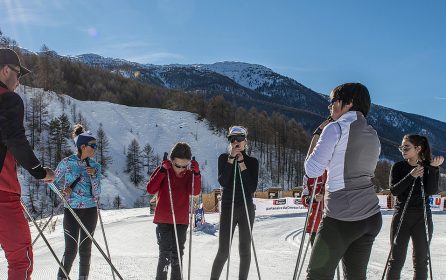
column 180, row 176
column 318, row 203
column 15, row 237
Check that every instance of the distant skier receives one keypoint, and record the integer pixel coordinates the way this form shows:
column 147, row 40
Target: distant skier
column 199, row 215
column 176, row 169
column 15, row 237
column 348, row 149
column 418, row 163
column 80, row 182
column 249, row 169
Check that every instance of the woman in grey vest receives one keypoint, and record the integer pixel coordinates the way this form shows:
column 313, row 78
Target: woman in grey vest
column 348, row 148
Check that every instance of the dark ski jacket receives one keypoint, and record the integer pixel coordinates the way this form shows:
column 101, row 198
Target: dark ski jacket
column 250, row 178
column 401, row 182
column 14, row 147
column 181, row 189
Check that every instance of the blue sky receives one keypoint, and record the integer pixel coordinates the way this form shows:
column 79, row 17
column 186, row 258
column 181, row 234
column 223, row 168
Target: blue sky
column 396, row 48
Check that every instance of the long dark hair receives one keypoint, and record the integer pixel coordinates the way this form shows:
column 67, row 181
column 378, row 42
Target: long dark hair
column 421, row 141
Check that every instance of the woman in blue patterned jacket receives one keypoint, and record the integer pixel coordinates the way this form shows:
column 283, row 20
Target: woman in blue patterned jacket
column 78, row 176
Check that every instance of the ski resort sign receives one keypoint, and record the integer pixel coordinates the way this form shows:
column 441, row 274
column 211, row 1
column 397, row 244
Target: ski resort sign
column 286, row 205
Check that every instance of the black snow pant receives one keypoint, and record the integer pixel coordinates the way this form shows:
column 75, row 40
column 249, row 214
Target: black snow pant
column 244, row 240
column 168, row 253
column 72, row 230
column 412, row 227
column 350, row 241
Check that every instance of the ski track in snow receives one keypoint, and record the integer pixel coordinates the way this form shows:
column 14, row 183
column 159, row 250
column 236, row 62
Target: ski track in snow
column 134, row 251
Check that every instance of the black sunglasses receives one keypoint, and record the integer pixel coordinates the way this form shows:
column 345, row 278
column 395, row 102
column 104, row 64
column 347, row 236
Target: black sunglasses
column 333, row 100
column 180, row 166
column 15, row 70
column 238, row 138
column 404, row 148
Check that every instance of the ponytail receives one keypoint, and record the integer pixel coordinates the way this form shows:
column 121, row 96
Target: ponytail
column 78, row 129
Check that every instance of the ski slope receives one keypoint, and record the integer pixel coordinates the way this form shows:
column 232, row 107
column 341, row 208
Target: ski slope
column 158, row 127
column 131, row 237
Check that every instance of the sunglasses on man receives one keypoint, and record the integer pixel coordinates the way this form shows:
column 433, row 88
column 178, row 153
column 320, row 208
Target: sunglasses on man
column 238, row 138
column 17, row 72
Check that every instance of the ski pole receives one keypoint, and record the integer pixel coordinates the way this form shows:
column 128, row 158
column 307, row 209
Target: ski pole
column 174, row 221
column 303, row 235
column 105, row 238
column 44, row 239
column 232, row 220
column 57, row 209
column 190, row 222
column 398, row 229
column 47, row 222
column 423, row 195
column 249, row 221
column 100, row 222
column 309, row 241
column 54, row 188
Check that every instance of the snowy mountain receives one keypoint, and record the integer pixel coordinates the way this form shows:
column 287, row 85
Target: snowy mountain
column 160, row 128
column 250, row 85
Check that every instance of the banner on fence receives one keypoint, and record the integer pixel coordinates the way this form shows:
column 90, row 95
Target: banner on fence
column 289, row 205
column 436, row 202
column 286, row 205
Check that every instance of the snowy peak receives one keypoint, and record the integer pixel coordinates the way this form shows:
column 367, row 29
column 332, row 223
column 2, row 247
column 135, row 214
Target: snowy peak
column 106, row 62
column 251, row 76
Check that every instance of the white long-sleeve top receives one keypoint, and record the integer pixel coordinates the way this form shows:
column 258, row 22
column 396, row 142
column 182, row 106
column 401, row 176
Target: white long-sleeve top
column 349, row 150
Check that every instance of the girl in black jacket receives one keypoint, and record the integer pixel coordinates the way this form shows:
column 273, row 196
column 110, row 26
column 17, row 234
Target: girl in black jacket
column 407, row 174
column 249, row 170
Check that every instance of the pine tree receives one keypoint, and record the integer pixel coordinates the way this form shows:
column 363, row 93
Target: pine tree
column 59, row 134
column 49, row 74
column 117, row 202
column 102, row 152
column 134, row 163
column 150, row 160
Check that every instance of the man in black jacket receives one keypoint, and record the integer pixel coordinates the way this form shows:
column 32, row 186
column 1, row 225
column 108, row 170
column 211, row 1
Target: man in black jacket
column 15, row 236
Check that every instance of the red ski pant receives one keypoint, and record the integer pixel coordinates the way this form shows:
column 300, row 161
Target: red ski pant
column 15, row 237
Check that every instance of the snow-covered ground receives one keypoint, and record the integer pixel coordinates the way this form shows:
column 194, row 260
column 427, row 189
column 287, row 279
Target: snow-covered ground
column 131, row 237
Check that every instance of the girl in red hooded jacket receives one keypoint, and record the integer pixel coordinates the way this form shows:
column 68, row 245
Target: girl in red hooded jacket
column 180, row 176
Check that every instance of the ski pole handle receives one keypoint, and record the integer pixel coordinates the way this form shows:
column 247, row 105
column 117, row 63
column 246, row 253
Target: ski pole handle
column 165, row 156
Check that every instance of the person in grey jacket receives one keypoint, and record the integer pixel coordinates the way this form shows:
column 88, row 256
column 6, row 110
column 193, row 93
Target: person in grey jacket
column 348, row 148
